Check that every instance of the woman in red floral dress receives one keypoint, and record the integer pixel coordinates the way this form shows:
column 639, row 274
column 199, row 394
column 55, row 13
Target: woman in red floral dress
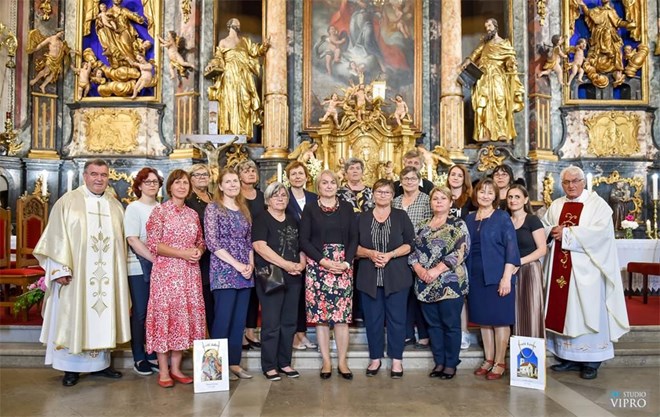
column 175, row 315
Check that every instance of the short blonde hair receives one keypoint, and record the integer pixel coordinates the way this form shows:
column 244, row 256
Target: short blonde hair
column 321, row 174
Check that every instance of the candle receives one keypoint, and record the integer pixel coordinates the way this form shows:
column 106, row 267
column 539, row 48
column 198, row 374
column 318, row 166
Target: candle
column 382, row 155
column 648, row 224
column 430, row 172
column 655, row 186
column 69, row 180
column 350, row 152
column 590, row 181
column 44, row 183
column 279, row 172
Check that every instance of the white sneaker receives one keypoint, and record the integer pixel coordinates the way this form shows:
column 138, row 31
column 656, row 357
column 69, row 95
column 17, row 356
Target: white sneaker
column 465, row 340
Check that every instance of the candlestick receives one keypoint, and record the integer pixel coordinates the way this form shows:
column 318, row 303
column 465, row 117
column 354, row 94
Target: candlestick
column 44, row 183
column 69, row 180
column 655, row 186
column 350, row 152
column 590, row 181
column 279, row 172
column 430, row 172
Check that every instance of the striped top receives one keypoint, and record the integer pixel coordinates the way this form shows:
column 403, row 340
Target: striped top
column 380, row 235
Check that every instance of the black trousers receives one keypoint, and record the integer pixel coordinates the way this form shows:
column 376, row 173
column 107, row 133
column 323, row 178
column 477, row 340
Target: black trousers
column 279, row 314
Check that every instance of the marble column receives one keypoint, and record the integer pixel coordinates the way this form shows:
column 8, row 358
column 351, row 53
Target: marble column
column 452, row 135
column 276, row 109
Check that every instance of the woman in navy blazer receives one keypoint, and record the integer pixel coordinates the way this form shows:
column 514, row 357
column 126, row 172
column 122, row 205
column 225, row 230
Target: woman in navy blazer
column 493, row 258
column 299, row 197
column 386, row 236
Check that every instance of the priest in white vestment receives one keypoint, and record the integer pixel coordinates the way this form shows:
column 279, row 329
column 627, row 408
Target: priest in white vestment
column 87, row 301
column 585, row 308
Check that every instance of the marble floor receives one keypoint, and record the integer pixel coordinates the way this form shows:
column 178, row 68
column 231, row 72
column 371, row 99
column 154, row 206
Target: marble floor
column 38, row 392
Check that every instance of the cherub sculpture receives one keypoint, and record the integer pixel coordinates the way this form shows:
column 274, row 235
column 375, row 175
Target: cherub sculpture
column 386, row 171
column 147, row 76
column 331, row 111
column 84, row 76
column 304, row 152
column 401, row 110
column 553, row 62
column 57, row 57
column 578, row 60
column 174, row 44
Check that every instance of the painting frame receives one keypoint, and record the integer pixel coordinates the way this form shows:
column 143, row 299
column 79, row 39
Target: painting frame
column 218, row 379
column 315, row 91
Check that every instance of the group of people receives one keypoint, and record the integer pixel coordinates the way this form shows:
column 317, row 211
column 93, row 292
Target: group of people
column 416, row 253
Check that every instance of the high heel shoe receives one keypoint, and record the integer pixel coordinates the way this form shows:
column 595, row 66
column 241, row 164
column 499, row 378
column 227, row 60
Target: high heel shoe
column 253, row 343
column 346, row 375
column 496, row 375
column 485, row 367
column 374, row 372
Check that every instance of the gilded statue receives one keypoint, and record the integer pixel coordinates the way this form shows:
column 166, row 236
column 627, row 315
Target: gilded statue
column 438, row 156
column 10, row 42
column 633, row 11
column 178, row 64
column 498, row 93
column 604, row 56
column 128, row 71
column 554, row 61
column 233, row 68
column 635, row 58
column 304, row 152
column 58, row 56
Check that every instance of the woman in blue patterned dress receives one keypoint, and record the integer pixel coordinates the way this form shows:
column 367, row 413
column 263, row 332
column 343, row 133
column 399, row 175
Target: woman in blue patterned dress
column 228, row 237
column 440, row 250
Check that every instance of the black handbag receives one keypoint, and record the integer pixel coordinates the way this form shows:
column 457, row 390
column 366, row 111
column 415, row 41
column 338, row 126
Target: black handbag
column 270, row 278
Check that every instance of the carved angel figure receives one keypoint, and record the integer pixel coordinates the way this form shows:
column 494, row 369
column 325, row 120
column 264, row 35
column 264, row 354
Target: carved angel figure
column 304, row 152
column 147, row 77
column 57, row 57
column 84, row 76
column 554, row 60
column 173, row 44
column 331, row 111
column 401, row 111
column 578, row 60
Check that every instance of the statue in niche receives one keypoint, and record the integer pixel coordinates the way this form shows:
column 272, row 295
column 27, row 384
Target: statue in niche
column 498, row 93
column 604, row 56
column 620, row 197
column 633, row 11
column 400, row 111
column 555, row 56
column 58, row 56
column 178, row 65
column 233, row 69
column 121, row 72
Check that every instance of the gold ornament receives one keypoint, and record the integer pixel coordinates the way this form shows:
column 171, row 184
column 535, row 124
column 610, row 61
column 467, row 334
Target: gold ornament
column 635, row 182
column 613, row 134
column 489, row 158
column 111, row 130
column 548, row 185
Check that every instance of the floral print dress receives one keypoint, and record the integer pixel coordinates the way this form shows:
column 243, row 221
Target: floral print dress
column 175, row 314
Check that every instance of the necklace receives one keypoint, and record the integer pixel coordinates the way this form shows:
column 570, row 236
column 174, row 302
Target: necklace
column 482, row 217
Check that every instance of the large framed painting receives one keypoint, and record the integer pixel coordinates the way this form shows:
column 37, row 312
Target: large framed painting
column 351, row 42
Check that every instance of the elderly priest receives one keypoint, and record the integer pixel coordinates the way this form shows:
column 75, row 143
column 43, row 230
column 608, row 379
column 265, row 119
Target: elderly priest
column 585, row 309
column 83, row 252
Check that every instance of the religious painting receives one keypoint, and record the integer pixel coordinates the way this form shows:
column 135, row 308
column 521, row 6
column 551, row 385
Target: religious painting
column 607, row 48
column 118, row 50
column 348, row 43
column 210, row 365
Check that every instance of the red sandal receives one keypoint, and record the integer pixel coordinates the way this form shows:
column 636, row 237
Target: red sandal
column 485, row 367
column 495, row 375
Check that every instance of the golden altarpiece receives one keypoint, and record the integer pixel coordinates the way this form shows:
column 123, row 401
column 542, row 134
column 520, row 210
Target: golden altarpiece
column 135, row 81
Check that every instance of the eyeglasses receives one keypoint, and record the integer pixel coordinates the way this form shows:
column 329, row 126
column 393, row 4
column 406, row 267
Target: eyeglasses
column 200, row 175
column 409, row 179
column 383, row 192
column 572, row 182
column 150, row 182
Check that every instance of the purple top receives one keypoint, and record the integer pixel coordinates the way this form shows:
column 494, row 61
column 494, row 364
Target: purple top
column 229, row 230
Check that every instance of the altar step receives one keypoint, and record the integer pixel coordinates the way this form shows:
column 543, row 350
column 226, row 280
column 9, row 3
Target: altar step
column 19, row 347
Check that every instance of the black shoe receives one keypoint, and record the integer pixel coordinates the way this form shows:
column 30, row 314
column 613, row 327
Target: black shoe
column 252, row 343
column 108, row 373
column 143, row 368
column 326, row 375
column 358, row 323
column 154, row 367
column 272, row 377
column 346, row 375
column 436, row 373
column 70, row 379
column 588, row 372
column 445, row 375
column 290, row 374
column 396, row 374
column 409, row 342
column 374, row 372
column 566, row 366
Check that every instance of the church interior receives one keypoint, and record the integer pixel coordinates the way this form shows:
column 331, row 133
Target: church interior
column 537, row 85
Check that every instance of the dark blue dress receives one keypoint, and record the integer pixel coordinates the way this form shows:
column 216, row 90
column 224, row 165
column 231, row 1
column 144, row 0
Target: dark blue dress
column 494, row 244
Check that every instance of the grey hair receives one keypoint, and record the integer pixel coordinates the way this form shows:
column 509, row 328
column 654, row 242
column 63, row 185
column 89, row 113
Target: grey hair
column 198, row 167
column 245, row 165
column 274, row 188
column 572, row 169
column 352, row 161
